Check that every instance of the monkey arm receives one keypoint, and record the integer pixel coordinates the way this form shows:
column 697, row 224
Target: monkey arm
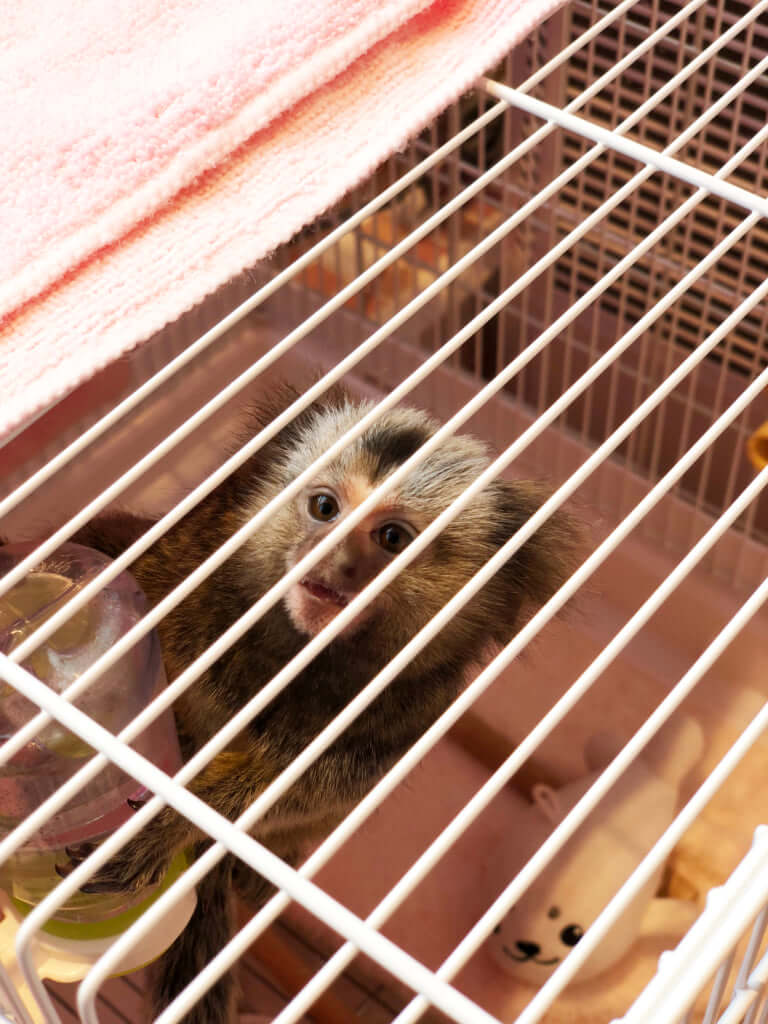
column 229, row 784
column 144, row 859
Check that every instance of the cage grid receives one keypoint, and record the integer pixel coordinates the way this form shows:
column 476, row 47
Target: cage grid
column 570, row 263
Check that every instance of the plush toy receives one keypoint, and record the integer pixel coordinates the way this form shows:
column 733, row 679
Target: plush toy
column 552, row 915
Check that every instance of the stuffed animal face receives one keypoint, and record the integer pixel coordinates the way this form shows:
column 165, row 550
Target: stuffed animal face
column 534, row 944
column 550, row 918
column 548, row 921
column 553, row 914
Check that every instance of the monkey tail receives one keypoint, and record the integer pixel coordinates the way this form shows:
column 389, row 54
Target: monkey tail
column 208, row 930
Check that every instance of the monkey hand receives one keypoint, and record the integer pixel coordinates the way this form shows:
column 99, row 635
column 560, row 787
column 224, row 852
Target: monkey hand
column 141, row 862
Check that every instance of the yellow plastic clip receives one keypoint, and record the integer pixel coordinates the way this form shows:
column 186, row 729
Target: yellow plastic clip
column 757, row 447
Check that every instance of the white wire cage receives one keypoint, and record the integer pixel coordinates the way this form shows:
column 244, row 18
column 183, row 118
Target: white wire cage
column 570, row 264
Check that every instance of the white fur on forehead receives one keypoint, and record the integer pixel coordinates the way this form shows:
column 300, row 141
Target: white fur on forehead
column 453, row 466
column 329, row 423
column 458, row 460
column 324, row 429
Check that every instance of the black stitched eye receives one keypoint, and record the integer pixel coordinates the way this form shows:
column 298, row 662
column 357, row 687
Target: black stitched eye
column 571, row 934
column 393, row 537
column 323, row 507
column 497, row 929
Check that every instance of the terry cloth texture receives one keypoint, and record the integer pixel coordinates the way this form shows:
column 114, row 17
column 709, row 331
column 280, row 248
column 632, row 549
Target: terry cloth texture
column 152, row 151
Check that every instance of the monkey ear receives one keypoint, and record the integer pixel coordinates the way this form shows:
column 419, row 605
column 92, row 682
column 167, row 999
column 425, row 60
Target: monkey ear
column 258, row 414
column 541, row 566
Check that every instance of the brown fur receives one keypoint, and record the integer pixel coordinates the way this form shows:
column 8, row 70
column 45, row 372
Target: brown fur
column 345, row 772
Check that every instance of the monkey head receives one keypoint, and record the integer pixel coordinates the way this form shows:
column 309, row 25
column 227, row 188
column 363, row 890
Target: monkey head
column 434, row 576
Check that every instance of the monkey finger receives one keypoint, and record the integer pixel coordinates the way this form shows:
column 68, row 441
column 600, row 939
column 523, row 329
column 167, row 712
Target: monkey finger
column 106, row 886
column 79, row 852
column 109, row 884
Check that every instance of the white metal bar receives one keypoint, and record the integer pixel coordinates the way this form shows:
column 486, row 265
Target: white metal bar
column 758, row 1013
column 115, row 489
column 104, row 851
column 745, row 998
column 491, row 788
column 101, row 580
column 247, row 849
column 60, row 460
column 728, row 911
column 635, row 150
column 249, row 933
column 57, row 620
column 759, row 976
column 169, row 602
column 367, row 695
column 758, row 979
column 754, row 1010
column 736, row 1010
column 753, row 948
column 718, row 988
column 758, row 982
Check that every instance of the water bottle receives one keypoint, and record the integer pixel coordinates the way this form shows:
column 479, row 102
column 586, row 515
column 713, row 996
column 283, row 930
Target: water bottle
column 55, row 754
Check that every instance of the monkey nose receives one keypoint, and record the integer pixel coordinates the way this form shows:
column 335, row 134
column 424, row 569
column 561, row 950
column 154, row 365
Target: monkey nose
column 528, row 948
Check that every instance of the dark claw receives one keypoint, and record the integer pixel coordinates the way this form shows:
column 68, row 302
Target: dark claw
column 110, row 884
column 77, row 855
column 79, row 852
column 135, row 805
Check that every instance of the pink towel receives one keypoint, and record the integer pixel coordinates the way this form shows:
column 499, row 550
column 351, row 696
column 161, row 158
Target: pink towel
column 153, row 150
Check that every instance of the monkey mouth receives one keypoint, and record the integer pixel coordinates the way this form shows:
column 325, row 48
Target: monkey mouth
column 324, row 593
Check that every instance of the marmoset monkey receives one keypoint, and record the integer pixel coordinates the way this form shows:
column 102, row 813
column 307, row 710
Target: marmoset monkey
column 393, row 722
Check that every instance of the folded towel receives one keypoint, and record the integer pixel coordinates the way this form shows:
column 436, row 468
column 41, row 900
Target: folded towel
column 154, row 150
column 117, row 106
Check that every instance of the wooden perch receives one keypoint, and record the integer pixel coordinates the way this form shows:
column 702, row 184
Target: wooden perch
column 292, row 974
column 491, row 748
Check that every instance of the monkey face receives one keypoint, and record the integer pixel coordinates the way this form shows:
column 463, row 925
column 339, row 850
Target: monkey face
column 353, row 563
column 424, row 586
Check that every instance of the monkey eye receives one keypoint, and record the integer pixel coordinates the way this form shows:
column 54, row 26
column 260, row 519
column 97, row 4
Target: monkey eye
column 392, row 537
column 323, row 507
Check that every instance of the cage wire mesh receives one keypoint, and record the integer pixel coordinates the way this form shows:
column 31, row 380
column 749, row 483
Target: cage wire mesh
column 594, row 312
